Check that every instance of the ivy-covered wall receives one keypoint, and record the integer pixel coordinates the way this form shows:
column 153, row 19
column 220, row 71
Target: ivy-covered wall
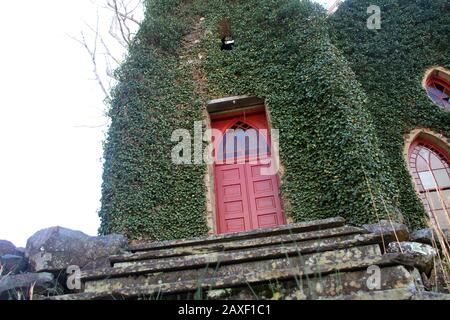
column 390, row 63
column 337, row 157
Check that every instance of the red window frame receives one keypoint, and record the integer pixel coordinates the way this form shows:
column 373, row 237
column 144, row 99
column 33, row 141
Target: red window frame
column 412, row 163
column 439, row 100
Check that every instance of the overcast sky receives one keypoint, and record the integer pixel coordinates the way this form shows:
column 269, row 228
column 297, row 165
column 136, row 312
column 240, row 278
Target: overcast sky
column 52, row 120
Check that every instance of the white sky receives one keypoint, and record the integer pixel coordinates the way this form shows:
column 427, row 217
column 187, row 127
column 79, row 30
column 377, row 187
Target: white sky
column 50, row 149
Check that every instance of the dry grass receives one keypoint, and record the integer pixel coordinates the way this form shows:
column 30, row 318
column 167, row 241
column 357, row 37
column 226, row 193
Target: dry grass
column 440, row 243
column 439, row 239
column 17, row 294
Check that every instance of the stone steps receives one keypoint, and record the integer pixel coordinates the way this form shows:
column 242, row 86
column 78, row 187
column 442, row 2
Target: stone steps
column 259, row 233
column 231, row 246
column 243, row 268
column 318, row 259
column 354, row 278
column 230, row 257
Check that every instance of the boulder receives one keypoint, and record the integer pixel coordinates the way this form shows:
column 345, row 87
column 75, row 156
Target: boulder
column 424, row 253
column 56, row 248
column 423, row 295
column 392, row 231
column 439, row 279
column 20, row 251
column 13, row 264
column 7, row 247
column 99, row 249
column 23, row 286
column 426, row 236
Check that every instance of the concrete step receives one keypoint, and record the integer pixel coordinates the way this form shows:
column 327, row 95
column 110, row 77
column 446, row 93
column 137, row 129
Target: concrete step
column 231, row 257
column 227, row 270
column 391, row 270
column 309, row 260
column 327, row 286
column 285, row 229
column 405, row 293
column 236, row 244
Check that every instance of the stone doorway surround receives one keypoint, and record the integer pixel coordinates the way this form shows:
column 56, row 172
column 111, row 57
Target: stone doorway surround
column 219, row 107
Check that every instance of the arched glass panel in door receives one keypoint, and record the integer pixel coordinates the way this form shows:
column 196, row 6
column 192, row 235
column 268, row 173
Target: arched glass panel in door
column 242, row 141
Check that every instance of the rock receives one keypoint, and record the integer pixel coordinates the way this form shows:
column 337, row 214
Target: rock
column 418, row 279
column 12, row 259
column 23, row 286
column 393, row 294
column 13, row 264
column 425, row 254
column 423, row 295
column 422, row 235
column 439, row 279
column 426, row 236
column 54, row 249
column 413, row 247
column 392, row 231
column 426, row 282
column 99, row 249
column 7, row 247
column 20, row 251
column 219, row 294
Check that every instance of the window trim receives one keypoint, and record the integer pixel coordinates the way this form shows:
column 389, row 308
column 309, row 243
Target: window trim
column 439, row 142
column 432, row 76
column 442, row 154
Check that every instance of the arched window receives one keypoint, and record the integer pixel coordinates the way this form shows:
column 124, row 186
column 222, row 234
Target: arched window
column 437, row 85
column 242, row 141
column 430, row 168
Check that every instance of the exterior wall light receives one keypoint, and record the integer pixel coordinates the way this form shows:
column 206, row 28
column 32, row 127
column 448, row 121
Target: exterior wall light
column 227, row 44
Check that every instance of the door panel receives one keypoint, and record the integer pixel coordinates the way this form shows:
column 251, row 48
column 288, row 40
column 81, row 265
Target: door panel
column 232, row 198
column 264, row 199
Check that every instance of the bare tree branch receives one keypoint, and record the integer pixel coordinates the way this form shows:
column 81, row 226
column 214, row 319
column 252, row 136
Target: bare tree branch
column 120, row 20
column 93, row 57
column 108, row 44
column 127, row 15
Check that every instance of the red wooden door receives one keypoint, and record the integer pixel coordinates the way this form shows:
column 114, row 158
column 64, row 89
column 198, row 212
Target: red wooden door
column 265, row 204
column 245, row 198
column 232, row 196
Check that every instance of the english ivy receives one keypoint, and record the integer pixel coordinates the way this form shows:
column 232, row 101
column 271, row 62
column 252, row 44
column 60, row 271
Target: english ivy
column 341, row 95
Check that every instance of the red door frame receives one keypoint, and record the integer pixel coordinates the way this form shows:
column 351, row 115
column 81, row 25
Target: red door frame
column 224, row 122
column 236, row 118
